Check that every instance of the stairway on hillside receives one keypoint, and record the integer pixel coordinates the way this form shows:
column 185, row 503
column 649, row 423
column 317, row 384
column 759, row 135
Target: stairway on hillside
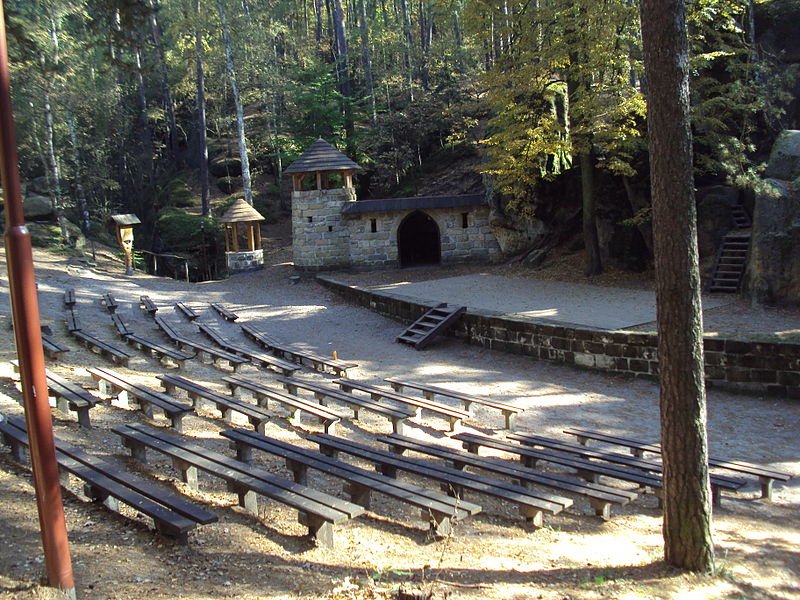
column 431, row 325
column 731, row 260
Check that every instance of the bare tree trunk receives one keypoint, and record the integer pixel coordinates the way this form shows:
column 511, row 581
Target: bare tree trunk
column 237, row 99
column 155, row 28
column 594, row 265
column 687, row 508
column 202, row 127
column 366, row 58
column 343, row 73
column 83, row 206
column 55, row 190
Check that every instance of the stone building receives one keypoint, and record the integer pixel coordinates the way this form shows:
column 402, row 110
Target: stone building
column 332, row 229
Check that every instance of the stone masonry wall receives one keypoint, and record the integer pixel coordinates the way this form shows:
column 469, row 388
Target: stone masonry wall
column 756, row 367
column 320, row 237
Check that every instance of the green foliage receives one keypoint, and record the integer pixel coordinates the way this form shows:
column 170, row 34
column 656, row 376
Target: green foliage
column 183, row 232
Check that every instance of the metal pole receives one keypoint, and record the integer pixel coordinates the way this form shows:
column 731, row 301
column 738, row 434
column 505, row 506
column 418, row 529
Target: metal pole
column 28, row 335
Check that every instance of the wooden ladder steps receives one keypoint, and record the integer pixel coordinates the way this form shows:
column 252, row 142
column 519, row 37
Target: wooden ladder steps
column 431, row 325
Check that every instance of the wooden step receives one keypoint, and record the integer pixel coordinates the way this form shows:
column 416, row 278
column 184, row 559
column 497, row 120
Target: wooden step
column 430, row 325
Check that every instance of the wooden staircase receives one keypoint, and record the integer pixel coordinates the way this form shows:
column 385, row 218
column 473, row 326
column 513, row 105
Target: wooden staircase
column 431, row 325
column 731, row 260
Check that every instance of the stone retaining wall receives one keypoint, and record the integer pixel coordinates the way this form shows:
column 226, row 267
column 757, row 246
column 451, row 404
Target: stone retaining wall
column 748, row 366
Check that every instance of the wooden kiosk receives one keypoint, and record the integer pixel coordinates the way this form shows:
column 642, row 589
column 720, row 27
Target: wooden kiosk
column 124, row 225
column 242, row 228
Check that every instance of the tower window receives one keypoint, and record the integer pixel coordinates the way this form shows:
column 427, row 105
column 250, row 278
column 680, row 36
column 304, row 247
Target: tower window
column 464, row 220
column 310, row 219
column 373, row 225
column 330, row 228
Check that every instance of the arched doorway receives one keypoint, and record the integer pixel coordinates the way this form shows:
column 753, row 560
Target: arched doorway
column 418, row 240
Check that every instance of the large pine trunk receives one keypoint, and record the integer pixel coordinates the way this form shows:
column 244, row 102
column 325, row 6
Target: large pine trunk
column 202, row 128
column 687, row 506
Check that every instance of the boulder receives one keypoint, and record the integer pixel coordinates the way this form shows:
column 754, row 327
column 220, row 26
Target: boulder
column 229, row 185
column 784, row 160
column 515, row 237
column 225, row 166
column 37, row 208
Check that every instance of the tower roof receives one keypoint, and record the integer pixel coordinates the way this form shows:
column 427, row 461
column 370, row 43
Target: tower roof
column 321, row 156
column 241, row 212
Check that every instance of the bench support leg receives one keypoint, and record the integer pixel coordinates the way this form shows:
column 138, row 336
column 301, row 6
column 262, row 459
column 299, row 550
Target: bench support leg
column 181, row 537
column 188, row 472
column 440, row 523
column 359, row 494
column 244, row 453
column 454, row 491
column 177, row 422
column 294, row 418
column 299, row 471
column 247, row 500
column 766, row 487
column 138, row 451
column 716, row 496
column 147, row 409
column 534, row 516
column 319, row 529
column 601, row 508
column 62, row 405
column 455, row 424
column 329, row 425
column 510, row 419
column 398, row 426
column 83, row 417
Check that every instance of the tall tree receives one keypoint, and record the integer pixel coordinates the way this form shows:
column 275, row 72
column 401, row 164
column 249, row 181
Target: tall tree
column 687, row 506
column 202, row 127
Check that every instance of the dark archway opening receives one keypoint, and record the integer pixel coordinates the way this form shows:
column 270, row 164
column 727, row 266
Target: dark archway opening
column 418, row 240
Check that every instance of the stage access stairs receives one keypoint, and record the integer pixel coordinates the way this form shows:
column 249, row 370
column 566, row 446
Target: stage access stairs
column 431, row 325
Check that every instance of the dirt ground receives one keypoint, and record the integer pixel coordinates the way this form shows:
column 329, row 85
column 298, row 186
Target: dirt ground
column 493, row 555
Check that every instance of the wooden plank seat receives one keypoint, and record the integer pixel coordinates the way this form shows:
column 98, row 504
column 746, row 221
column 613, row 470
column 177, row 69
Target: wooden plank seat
column 765, row 475
column 532, row 504
column 159, row 350
column 438, row 509
column 186, row 310
column 453, row 415
column 226, row 405
column 223, row 312
column 148, row 305
column 106, row 350
column 69, row 297
column 122, row 328
column 105, row 483
column 718, row 482
column 52, row 348
column 108, row 301
column 586, row 469
column 600, row 497
column 214, row 355
column 72, row 320
column 296, row 405
column 114, row 384
column 318, row 511
column 323, row 393
column 430, row 391
column 260, row 359
column 298, row 355
column 167, row 328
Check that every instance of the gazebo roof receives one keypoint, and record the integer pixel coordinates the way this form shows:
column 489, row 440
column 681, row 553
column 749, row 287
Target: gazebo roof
column 321, row 156
column 241, row 212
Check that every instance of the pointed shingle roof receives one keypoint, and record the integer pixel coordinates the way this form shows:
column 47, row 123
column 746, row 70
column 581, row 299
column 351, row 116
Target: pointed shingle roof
column 241, row 212
column 321, row 156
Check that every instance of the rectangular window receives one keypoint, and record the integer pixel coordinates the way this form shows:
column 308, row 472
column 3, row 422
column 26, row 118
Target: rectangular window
column 373, row 225
column 464, row 220
column 309, row 219
column 330, row 228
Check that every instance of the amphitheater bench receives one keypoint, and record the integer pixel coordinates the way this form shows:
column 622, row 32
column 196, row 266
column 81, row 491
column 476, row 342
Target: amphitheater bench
column 109, row 302
column 322, row 393
column 214, row 354
column 186, row 310
column 438, row 509
column 532, row 504
column 167, row 328
column 122, row 329
column 105, row 483
column 264, row 394
column 224, row 312
column 158, row 350
column 266, row 361
column 112, row 383
column 52, row 348
column 509, row 411
column 226, row 405
column 600, row 497
column 317, row 511
column 69, row 297
column 148, row 305
column 106, row 350
column 72, row 321
column 454, row 415
column 765, row 475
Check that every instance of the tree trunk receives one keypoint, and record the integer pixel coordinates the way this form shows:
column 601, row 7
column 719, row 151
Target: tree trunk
column 687, row 507
column 237, row 99
column 155, row 28
column 202, row 127
column 366, row 58
column 55, row 191
column 594, row 265
column 343, row 74
column 83, row 206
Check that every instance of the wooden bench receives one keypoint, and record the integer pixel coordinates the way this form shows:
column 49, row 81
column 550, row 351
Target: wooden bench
column 167, row 328
column 68, row 396
column 509, row 411
column 224, row 312
column 108, row 301
column 438, row 509
column 105, row 483
column 264, row 394
column 106, row 350
column 52, row 348
column 718, row 482
column 765, row 475
column 266, row 361
column 158, row 350
column 318, row 510
column 215, row 355
column 72, row 321
column 69, row 297
column 297, row 355
column 453, row 415
column 226, row 405
column 532, row 504
column 322, row 393
column 114, row 384
column 122, row 329
column 186, row 311
column 600, row 497
column 148, row 305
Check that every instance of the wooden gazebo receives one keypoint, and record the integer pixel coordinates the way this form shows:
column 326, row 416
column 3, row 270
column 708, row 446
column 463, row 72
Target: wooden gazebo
column 242, row 228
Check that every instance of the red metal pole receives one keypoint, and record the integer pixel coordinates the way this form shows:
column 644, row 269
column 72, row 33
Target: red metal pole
column 28, row 335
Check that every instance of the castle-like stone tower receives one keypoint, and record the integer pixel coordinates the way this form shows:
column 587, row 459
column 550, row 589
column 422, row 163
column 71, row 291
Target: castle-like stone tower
column 322, row 184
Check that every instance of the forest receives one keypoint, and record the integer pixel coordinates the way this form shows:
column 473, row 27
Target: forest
column 171, row 109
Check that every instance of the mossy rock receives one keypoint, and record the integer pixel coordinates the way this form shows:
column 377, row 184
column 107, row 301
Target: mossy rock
column 229, row 185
